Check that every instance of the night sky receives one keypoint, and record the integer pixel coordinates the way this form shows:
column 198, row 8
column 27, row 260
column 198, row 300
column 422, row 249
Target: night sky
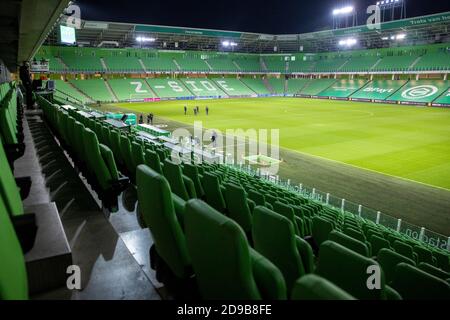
column 260, row 16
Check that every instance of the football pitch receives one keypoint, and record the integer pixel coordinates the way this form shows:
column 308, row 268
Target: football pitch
column 402, row 141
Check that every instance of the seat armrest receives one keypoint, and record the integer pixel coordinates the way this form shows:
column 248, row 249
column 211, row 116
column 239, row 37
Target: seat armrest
column 251, row 204
column 179, row 207
column 268, row 278
column 190, row 187
column 108, row 156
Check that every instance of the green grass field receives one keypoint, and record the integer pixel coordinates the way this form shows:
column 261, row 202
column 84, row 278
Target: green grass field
column 407, row 142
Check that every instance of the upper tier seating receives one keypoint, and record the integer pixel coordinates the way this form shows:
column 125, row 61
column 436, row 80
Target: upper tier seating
column 122, row 64
column 395, row 63
column 82, row 63
column 188, row 64
column 275, row 64
column 249, row 64
column 223, row 64
column 433, row 61
column 159, row 64
column 359, row 64
column 329, row 65
column 301, row 66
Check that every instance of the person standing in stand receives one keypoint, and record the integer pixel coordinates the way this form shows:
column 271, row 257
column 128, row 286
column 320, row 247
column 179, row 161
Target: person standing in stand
column 25, row 77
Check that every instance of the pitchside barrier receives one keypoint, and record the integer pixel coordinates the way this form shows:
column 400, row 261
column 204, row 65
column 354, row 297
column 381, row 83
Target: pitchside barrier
column 417, row 233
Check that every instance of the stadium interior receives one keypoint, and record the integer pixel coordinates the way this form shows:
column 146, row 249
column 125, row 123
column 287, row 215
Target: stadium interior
column 98, row 203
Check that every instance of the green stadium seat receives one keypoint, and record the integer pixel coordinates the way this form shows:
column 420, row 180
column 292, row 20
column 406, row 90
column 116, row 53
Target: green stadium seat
column 191, row 171
column 348, row 270
column 349, row 242
column 152, row 160
column 157, row 209
column 378, row 243
column 404, row 249
column 181, row 185
column 415, row 284
column 321, row 229
column 441, row 274
column 8, row 187
column 13, row 275
column 213, row 192
column 100, row 160
column 288, row 212
column 125, row 152
column 424, row 255
column 274, row 237
column 224, row 264
column 442, row 260
column 388, row 260
column 313, row 287
column 238, row 207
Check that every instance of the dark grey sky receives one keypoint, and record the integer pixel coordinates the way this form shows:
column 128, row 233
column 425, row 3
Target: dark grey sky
column 261, row 16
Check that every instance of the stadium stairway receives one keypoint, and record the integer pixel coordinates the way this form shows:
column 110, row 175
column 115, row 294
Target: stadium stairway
column 111, row 91
column 95, row 236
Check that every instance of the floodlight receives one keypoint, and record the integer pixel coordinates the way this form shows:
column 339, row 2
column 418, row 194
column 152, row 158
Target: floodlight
column 400, row 36
column 348, row 42
column 145, row 39
column 342, row 11
column 227, row 43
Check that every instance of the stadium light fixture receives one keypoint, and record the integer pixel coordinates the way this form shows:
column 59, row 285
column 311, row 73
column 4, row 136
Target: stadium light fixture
column 348, row 42
column 343, row 11
column 227, row 43
column 145, row 39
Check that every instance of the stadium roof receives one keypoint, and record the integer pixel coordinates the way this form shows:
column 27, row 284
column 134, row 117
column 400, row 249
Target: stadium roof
column 419, row 30
column 24, row 25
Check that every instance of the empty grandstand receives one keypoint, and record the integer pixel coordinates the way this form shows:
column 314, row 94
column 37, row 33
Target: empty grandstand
column 149, row 162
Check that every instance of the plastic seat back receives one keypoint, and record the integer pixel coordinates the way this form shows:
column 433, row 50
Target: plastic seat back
column 415, row 284
column 156, row 206
column 349, row 242
column 389, row 259
column 213, row 194
column 174, row 176
column 348, row 270
column 224, row 264
column 274, row 237
column 237, row 206
column 313, row 287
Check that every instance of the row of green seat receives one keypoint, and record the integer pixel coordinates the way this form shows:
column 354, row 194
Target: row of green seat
column 10, row 121
column 80, row 137
column 13, row 276
column 234, row 264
